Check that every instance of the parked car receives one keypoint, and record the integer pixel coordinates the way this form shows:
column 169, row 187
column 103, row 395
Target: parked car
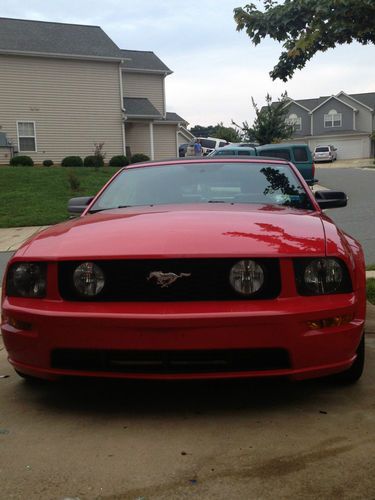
column 325, row 153
column 182, row 149
column 233, row 151
column 298, row 154
column 208, row 145
column 191, row 268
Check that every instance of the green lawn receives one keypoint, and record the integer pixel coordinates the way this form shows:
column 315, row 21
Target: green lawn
column 38, row 196
column 370, row 287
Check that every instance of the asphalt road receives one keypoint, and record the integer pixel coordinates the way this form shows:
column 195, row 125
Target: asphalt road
column 358, row 218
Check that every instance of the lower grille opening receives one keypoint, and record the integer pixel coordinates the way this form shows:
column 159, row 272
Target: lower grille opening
column 164, row 362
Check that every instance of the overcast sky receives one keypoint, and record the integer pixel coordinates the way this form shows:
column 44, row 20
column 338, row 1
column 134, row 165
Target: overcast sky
column 216, row 69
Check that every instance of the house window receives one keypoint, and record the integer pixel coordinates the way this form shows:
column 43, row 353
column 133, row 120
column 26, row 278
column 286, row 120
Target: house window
column 295, row 121
column 332, row 119
column 26, row 136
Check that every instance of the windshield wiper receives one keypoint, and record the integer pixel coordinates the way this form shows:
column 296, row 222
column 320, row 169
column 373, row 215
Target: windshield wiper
column 95, row 210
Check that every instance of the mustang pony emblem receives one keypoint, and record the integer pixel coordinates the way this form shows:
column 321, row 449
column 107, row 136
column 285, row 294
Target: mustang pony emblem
column 166, row 279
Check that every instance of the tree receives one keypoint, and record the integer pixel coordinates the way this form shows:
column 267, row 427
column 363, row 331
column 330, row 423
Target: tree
column 229, row 134
column 201, row 131
column 270, row 123
column 306, row 27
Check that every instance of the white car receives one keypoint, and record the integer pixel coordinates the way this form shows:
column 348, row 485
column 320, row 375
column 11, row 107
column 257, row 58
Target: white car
column 325, row 153
column 208, row 144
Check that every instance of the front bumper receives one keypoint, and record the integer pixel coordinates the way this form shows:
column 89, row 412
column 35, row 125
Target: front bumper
column 195, row 326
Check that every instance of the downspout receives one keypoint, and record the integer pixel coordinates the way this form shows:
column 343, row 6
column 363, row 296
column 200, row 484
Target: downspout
column 152, row 153
column 164, row 104
column 123, row 112
column 177, row 131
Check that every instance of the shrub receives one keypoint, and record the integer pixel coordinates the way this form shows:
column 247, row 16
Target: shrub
column 72, row 161
column 21, row 161
column 118, row 161
column 137, row 157
column 47, row 163
column 93, row 161
column 74, row 182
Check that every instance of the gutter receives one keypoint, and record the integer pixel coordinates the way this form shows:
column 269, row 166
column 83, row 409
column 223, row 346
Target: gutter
column 58, row 55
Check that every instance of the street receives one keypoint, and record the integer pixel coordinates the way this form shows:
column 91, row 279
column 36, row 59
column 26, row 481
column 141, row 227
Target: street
column 357, row 219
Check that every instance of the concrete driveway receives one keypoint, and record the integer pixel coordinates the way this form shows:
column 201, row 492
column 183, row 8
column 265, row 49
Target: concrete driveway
column 217, row 440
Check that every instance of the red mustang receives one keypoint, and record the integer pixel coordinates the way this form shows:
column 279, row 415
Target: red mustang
column 202, row 268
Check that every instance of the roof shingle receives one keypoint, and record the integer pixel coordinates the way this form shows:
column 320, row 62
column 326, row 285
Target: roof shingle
column 143, row 60
column 24, row 36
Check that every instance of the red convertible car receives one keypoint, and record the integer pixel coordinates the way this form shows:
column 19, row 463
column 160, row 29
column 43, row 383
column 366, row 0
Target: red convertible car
column 183, row 269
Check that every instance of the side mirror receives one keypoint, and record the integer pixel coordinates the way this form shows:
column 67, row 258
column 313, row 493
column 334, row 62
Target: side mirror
column 78, row 205
column 331, row 199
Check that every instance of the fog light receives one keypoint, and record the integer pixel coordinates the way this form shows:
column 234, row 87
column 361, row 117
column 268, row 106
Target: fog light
column 330, row 322
column 18, row 324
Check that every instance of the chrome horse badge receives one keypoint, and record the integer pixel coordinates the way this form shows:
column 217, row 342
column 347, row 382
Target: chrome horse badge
column 166, row 279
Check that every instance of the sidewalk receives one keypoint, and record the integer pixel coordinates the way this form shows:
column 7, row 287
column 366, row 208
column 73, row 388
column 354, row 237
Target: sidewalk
column 359, row 163
column 12, row 238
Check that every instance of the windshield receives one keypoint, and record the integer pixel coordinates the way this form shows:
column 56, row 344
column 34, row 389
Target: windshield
column 323, row 149
column 209, row 182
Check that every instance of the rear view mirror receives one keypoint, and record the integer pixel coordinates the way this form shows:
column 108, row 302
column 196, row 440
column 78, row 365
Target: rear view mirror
column 331, row 199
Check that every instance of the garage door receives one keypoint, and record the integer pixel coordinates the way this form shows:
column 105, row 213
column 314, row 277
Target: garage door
column 347, row 149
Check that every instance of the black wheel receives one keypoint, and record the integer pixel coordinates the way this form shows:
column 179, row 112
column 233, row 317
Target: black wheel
column 30, row 379
column 354, row 373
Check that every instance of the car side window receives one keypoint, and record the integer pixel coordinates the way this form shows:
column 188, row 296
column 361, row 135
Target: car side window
column 300, row 154
column 276, row 153
column 221, row 144
column 207, row 143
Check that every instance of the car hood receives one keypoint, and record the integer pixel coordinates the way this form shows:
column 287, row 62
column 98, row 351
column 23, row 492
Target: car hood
column 175, row 231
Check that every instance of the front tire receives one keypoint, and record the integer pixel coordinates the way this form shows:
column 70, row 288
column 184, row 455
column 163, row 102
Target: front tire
column 29, row 379
column 353, row 374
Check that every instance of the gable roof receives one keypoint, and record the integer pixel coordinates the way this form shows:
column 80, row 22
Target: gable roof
column 174, row 117
column 140, row 107
column 367, row 99
column 20, row 36
column 336, row 99
column 140, row 60
column 297, row 103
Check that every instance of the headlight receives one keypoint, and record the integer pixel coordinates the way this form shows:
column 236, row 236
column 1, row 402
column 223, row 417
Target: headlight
column 88, row 279
column 322, row 276
column 27, row 279
column 246, row 277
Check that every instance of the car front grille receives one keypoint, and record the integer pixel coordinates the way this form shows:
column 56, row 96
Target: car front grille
column 199, row 279
column 170, row 362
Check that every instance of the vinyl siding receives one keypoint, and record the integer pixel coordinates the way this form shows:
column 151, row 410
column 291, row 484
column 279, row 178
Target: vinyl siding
column 138, row 138
column 347, row 117
column 305, row 119
column 74, row 103
column 145, row 85
column 4, row 156
column 165, row 141
column 363, row 119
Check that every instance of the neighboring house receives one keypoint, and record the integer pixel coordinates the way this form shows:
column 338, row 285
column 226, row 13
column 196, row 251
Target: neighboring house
column 6, row 149
column 148, row 126
column 346, row 121
column 65, row 87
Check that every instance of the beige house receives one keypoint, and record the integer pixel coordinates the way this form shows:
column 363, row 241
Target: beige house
column 65, row 87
